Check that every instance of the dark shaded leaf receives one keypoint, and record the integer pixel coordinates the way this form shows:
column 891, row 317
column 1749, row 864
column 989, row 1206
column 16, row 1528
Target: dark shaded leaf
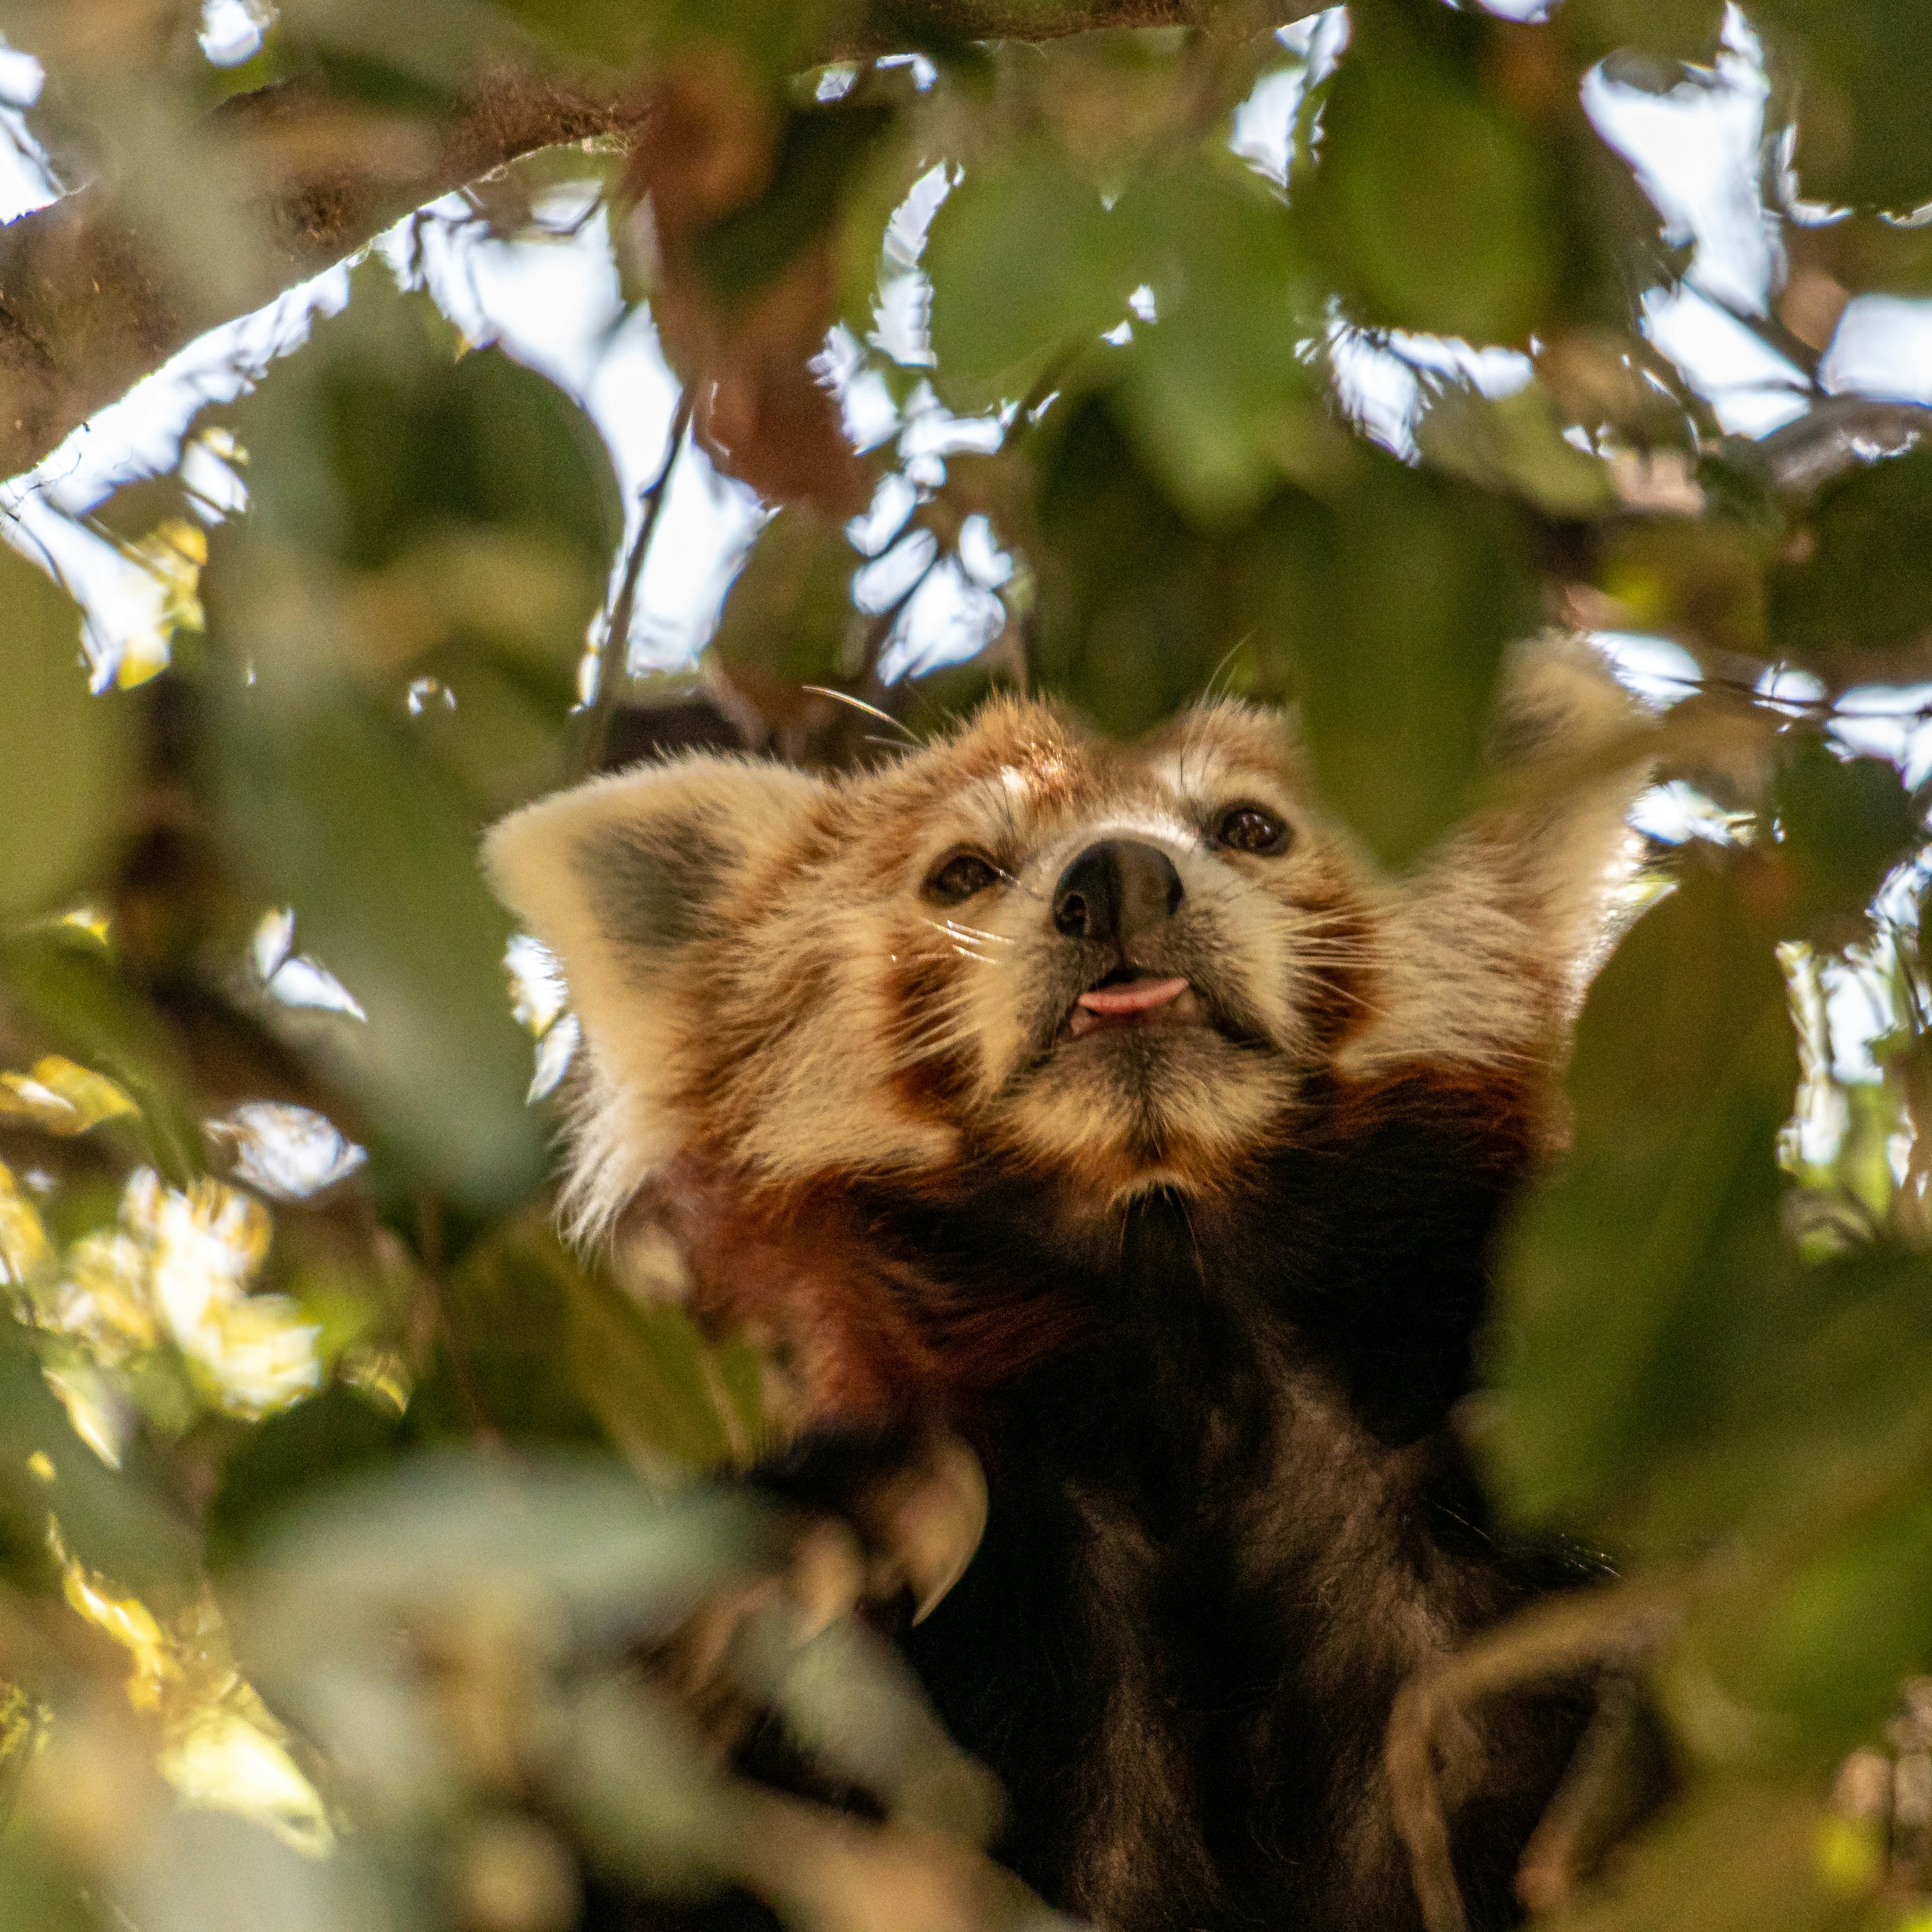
column 1860, row 77
column 290, row 1456
column 1636, row 1283
column 1138, row 609
column 1844, row 824
column 788, row 620
column 116, row 1523
column 65, row 981
column 820, row 151
column 1857, row 574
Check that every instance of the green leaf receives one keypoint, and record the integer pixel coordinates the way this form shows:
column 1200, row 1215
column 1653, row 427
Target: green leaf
column 1638, row 1283
column 1844, row 824
column 114, row 1522
column 1139, row 609
column 1658, row 39
column 1741, row 1855
column 1024, row 268
column 64, row 980
column 1860, row 77
column 1515, row 443
column 788, row 619
column 69, row 756
column 35, row 1896
column 1429, row 205
column 1857, row 574
column 820, row 151
column 287, row 1457
column 1217, row 395
column 1395, row 595
column 320, row 795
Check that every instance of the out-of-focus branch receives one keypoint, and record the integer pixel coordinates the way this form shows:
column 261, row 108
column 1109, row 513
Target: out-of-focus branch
column 92, row 297
column 97, row 290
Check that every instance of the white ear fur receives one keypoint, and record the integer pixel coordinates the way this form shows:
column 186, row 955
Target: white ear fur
column 620, row 878
column 1493, row 942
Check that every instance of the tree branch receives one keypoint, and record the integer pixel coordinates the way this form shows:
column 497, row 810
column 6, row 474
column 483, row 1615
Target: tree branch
column 101, row 287
column 286, row 183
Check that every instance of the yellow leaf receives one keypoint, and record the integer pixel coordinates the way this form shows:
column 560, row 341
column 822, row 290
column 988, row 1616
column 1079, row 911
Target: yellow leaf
column 62, row 1097
column 26, row 1254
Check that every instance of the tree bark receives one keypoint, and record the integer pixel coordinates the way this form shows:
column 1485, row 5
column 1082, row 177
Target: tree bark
column 99, row 288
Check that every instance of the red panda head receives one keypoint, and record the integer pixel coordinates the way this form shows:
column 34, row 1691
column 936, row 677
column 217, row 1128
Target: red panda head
column 1025, row 949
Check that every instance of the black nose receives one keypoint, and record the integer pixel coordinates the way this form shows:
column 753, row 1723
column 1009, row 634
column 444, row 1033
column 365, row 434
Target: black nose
column 1115, row 890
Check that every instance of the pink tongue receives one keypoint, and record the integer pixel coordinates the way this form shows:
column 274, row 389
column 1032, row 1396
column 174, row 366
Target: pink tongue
column 1134, row 999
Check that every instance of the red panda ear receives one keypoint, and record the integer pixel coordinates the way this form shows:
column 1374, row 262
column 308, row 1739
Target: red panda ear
column 619, row 872
column 621, row 876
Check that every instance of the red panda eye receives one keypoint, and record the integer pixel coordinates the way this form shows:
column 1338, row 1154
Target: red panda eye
column 962, row 875
column 1248, row 828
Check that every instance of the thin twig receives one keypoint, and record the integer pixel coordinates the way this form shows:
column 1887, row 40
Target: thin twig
column 1591, row 1629
column 1769, row 331
column 614, row 651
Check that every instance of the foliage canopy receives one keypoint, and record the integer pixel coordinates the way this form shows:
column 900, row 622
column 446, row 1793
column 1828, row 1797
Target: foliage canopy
column 331, row 1487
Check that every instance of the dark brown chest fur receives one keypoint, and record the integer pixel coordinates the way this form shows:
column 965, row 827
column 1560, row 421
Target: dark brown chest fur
column 1229, row 1517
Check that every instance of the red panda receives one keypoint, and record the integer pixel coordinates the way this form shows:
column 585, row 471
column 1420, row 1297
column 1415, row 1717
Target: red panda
column 1108, row 1108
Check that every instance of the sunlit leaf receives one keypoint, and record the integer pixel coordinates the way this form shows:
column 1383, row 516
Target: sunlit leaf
column 61, row 1097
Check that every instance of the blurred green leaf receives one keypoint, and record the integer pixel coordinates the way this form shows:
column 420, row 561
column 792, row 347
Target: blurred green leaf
column 35, row 1896
column 788, row 620
column 1813, row 1652
column 322, row 800
column 1396, row 594
column 116, row 1523
column 1514, row 443
column 1668, row 35
column 66, row 981
column 1701, row 579
column 676, row 1404
column 1139, row 608
column 1843, row 823
column 1742, row 1854
column 1856, row 573
column 1637, row 1282
column 821, row 150
column 1861, row 76
column 65, row 777
column 1218, row 395
column 1025, row 267
column 291, row 1457
column 1429, row 205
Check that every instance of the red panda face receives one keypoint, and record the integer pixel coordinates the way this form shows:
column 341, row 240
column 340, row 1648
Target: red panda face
column 1118, row 966
column 1025, row 949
